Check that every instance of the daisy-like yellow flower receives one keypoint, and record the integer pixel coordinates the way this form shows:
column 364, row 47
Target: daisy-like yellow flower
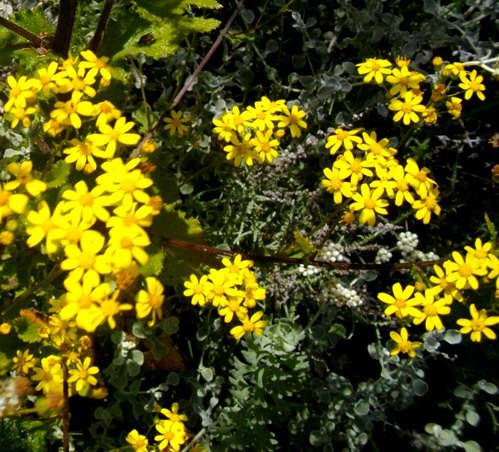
column 124, row 181
column 11, row 203
column 380, row 150
column 345, row 138
column 478, row 324
column 407, row 109
column 453, row 69
column 369, row 203
column 481, row 251
column 374, row 68
column 224, row 128
column 95, row 63
column 22, row 92
column 239, row 268
column 241, row 149
column 80, row 81
column 69, row 112
column 419, row 177
column 110, row 136
column 138, row 442
column 150, row 301
column 442, row 286
column 234, row 307
column 23, row 362
column 426, row 206
column 84, row 261
column 463, row 271
column 355, row 167
column 127, row 245
column 404, row 80
column 252, row 324
column 222, row 287
column 336, row 184
column 176, row 123
column 403, row 344
column 402, row 186
column 132, row 216
column 472, row 84
column 265, row 146
column 85, row 204
column 252, row 293
column 401, row 303
column 198, row 289
column 173, row 414
column 48, row 374
column 48, row 77
column 293, row 120
column 42, row 227
column 22, row 173
column 105, row 112
column 261, row 116
column 108, row 309
column 21, row 115
column 5, row 328
column 84, row 375
column 82, row 153
column 454, row 107
column 432, row 309
column 171, row 435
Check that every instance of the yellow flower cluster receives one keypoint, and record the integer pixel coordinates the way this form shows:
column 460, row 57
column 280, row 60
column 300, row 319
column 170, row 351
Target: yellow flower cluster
column 403, row 86
column 255, row 133
column 172, row 432
column 75, row 81
column 233, row 290
column 97, row 228
column 479, row 265
column 368, row 174
column 47, row 373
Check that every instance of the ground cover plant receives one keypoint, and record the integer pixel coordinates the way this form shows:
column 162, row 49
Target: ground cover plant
column 248, row 225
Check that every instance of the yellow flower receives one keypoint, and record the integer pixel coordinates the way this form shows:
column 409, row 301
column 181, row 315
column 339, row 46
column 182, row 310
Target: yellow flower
column 234, row 306
column 109, row 307
column 265, row 146
column 345, row 138
column 418, row 177
column 137, row 441
column 84, row 261
column 402, row 185
column 22, row 173
column 198, row 289
column 5, row 328
column 42, row 227
column 84, row 204
column 239, row 268
column 404, row 80
column 171, row 434
column 454, row 107
column 150, row 301
column 369, row 203
column 69, row 112
column 374, row 68
column 472, row 84
column 176, row 123
column 111, row 136
column 400, row 303
column 293, row 120
column 124, row 181
column 105, row 112
column 96, row 64
column 22, row 92
column 251, row 324
column 437, row 61
column 11, row 203
column 23, row 362
column 443, row 286
column 481, row 251
column 48, row 374
column 407, row 108
column 240, row 149
column 83, row 375
column 355, row 167
column 463, row 272
column 426, row 206
column 336, row 184
column 478, row 324
column 224, row 127
column 83, row 152
column 48, row 77
column 126, row 245
column 431, row 310
column 404, row 345
column 222, row 288
column 173, row 414
column 78, row 81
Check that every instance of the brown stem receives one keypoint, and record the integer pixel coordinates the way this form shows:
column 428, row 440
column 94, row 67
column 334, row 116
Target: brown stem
column 31, row 37
column 65, row 24
column 65, row 410
column 191, row 79
column 93, row 45
column 294, row 261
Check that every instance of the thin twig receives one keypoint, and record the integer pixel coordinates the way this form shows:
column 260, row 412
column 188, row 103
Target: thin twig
column 190, row 80
column 296, row 261
column 65, row 25
column 31, row 37
column 65, row 410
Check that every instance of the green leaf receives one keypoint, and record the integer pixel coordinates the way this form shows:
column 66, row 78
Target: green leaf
column 58, row 174
column 154, row 265
column 170, row 325
column 472, row 418
column 361, row 408
column 487, row 386
column 452, row 337
column 29, row 332
column 173, row 379
column 471, row 446
column 420, row 387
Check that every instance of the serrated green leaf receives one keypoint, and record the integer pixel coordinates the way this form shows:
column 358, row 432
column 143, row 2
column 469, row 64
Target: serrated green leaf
column 154, row 265
column 29, row 332
column 58, row 175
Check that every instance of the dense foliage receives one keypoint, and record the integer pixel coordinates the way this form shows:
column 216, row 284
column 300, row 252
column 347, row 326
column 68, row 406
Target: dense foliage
column 264, row 226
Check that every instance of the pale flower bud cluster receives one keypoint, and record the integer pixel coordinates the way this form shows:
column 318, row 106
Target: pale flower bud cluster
column 383, row 255
column 342, row 296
